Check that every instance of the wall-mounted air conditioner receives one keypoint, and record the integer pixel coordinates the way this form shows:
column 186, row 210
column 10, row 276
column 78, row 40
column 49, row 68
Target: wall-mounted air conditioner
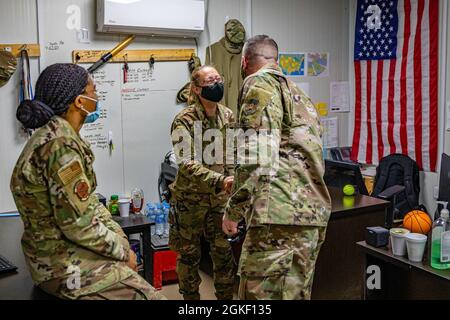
column 173, row 18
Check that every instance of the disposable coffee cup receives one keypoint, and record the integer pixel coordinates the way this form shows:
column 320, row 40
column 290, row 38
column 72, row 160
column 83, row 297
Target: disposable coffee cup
column 124, row 208
column 398, row 241
column 416, row 243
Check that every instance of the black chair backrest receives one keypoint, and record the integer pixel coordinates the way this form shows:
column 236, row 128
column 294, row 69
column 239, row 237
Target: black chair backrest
column 399, row 169
column 169, row 170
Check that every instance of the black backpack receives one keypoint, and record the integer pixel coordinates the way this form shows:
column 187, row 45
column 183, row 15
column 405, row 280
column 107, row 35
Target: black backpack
column 169, row 170
column 399, row 169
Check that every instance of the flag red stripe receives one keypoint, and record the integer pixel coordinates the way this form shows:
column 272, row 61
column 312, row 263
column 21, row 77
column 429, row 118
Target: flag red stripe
column 369, row 114
column 418, row 84
column 357, row 133
column 391, row 106
column 379, row 108
column 403, row 91
column 434, row 65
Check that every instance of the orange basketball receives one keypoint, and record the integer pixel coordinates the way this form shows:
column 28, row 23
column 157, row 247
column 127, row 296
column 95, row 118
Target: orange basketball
column 417, row 221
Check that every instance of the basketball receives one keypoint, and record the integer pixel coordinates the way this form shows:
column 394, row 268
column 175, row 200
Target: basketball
column 349, row 190
column 417, row 221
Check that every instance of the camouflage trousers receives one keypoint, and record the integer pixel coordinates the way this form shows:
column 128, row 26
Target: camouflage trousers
column 277, row 262
column 131, row 288
column 188, row 223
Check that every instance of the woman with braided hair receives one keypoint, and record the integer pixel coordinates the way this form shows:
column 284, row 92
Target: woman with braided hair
column 73, row 248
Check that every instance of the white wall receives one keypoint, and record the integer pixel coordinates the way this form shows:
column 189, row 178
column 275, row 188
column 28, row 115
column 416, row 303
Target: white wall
column 309, row 26
column 22, row 15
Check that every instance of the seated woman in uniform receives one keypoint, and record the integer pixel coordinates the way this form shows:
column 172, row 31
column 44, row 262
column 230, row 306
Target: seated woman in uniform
column 73, row 248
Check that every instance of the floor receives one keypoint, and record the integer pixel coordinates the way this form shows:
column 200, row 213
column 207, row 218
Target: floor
column 170, row 291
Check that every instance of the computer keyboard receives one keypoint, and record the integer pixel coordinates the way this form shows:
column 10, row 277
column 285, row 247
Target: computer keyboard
column 6, row 266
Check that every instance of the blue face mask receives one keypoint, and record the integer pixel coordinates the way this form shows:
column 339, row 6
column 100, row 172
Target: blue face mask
column 92, row 116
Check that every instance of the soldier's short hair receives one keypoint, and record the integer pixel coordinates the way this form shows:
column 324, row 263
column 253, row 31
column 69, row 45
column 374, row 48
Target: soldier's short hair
column 261, row 47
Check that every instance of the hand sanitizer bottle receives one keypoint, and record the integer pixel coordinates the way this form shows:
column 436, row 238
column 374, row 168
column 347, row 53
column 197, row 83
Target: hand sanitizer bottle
column 440, row 245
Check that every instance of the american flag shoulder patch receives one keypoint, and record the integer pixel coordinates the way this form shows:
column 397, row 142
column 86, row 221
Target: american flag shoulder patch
column 70, row 172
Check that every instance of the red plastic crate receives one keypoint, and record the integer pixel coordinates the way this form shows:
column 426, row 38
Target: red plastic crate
column 164, row 267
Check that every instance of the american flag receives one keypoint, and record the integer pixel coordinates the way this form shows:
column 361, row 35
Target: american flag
column 396, row 78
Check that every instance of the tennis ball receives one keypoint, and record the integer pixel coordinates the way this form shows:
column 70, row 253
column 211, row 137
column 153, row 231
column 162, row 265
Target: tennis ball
column 349, row 190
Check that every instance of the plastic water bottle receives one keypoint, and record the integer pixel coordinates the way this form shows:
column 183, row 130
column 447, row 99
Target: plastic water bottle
column 150, row 212
column 166, row 219
column 159, row 220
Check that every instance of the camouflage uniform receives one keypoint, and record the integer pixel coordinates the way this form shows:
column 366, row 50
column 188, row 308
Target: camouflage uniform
column 199, row 202
column 286, row 210
column 68, row 233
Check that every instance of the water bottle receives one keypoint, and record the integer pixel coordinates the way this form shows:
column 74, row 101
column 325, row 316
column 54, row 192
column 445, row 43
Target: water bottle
column 150, row 212
column 166, row 219
column 159, row 220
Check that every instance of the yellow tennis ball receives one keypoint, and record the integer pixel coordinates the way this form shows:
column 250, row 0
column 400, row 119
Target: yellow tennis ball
column 349, row 190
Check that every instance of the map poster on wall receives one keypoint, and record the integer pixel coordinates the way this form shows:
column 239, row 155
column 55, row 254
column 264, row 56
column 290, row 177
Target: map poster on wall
column 318, row 64
column 293, row 64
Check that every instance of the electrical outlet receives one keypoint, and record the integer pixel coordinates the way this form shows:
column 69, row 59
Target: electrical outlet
column 436, row 193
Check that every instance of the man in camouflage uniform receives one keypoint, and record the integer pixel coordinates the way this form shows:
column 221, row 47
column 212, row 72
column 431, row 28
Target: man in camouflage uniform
column 286, row 204
column 73, row 248
column 199, row 193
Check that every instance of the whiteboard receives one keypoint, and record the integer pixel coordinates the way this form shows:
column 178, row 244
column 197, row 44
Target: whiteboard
column 139, row 115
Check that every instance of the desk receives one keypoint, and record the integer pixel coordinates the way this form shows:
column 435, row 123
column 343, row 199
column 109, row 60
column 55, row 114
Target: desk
column 402, row 279
column 20, row 286
column 140, row 224
column 338, row 268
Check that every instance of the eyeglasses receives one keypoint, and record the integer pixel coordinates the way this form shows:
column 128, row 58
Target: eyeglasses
column 211, row 80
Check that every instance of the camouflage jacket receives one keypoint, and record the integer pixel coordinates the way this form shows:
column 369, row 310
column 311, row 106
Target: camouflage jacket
column 198, row 180
column 65, row 225
column 293, row 192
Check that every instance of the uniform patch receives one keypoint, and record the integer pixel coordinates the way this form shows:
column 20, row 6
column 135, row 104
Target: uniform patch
column 251, row 106
column 82, row 190
column 70, row 172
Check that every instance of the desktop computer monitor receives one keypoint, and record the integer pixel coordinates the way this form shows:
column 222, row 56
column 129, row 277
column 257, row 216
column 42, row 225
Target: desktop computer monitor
column 444, row 179
column 339, row 173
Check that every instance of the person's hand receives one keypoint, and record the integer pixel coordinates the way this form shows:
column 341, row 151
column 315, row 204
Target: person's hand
column 228, row 184
column 230, row 228
column 132, row 261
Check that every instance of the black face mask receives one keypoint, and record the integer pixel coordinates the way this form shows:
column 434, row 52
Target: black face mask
column 214, row 92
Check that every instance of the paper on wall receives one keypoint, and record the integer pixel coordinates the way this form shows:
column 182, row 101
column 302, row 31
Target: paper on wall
column 322, row 109
column 340, row 96
column 330, row 134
